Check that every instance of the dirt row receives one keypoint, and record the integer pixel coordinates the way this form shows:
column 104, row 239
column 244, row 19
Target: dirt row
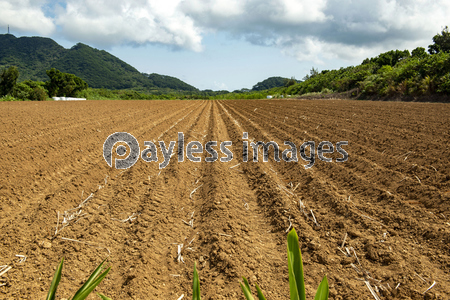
column 380, row 219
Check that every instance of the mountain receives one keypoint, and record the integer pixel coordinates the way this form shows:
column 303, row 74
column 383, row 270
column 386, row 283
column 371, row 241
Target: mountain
column 34, row 55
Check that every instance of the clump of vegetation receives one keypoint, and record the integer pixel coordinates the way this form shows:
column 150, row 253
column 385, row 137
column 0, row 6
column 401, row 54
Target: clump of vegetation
column 8, row 80
column 64, row 84
column 96, row 277
column 60, row 84
column 30, row 90
column 8, row 98
column 296, row 277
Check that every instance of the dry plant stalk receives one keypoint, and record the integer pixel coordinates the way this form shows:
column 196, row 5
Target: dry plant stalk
column 290, row 224
column 94, row 244
column 245, row 205
column 22, row 258
column 418, row 179
column 179, row 257
column 223, row 234
column 5, row 269
column 343, row 242
column 303, row 210
column 130, row 218
column 191, row 221
column 190, row 195
column 434, row 283
column 71, row 215
column 372, row 291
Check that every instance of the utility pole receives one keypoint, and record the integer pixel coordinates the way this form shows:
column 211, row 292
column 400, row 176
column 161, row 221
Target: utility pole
column 8, row 29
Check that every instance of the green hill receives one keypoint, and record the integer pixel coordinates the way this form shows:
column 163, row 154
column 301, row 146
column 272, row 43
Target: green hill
column 34, row 55
column 271, row 82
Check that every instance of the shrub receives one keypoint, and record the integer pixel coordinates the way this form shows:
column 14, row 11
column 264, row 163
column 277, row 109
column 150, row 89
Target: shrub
column 21, row 91
column 29, row 90
column 8, row 98
column 38, row 94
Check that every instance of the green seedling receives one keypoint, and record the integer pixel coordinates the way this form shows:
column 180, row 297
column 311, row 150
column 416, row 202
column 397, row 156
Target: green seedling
column 103, row 297
column 248, row 293
column 296, row 278
column 96, row 277
column 196, row 285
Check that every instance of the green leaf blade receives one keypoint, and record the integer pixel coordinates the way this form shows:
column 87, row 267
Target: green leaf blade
column 260, row 294
column 196, row 285
column 246, row 289
column 103, row 297
column 322, row 290
column 55, row 282
column 91, row 279
column 295, row 266
column 92, row 285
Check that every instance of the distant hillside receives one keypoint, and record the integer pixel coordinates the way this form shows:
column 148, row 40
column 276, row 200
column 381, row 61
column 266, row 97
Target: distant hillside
column 271, row 82
column 34, row 55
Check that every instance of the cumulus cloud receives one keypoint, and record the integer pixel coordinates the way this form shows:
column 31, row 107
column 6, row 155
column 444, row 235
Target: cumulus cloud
column 254, row 17
column 307, row 30
column 114, row 22
column 318, row 30
column 25, row 16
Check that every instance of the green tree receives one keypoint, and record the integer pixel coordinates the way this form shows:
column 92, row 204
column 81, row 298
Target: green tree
column 30, row 90
column 290, row 82
column 390, row 58
column 8, row 80
column 312, row 73
column 64, row 84
column 419, row 52
column 441, row 42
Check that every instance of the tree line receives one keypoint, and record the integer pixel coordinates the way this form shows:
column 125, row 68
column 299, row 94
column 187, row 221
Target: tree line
column 390, row 74
column 59, row 84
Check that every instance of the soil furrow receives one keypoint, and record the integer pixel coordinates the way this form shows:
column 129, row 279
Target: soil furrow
column 390, row 200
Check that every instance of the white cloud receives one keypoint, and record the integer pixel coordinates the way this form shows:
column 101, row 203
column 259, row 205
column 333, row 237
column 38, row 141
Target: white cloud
column 214, row 8
column 299, row 12
column 250, row 16
column 319, row 52
column 326, row 29
column 113, row 22
column 25, row 16
column 313, row 31
column 220, row 86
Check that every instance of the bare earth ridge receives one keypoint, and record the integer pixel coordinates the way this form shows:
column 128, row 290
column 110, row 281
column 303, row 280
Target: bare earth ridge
column 380, row 219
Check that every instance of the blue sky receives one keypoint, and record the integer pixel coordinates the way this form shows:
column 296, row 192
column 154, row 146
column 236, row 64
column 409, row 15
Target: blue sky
column 231, row 44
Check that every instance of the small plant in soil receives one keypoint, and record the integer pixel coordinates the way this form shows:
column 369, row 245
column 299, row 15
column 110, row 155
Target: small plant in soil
column 296, row 279
column 96, row 277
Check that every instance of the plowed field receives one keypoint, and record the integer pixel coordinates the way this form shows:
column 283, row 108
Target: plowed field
column 382, row 218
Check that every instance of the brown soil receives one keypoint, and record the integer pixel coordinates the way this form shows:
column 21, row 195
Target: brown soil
column 391, row 198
